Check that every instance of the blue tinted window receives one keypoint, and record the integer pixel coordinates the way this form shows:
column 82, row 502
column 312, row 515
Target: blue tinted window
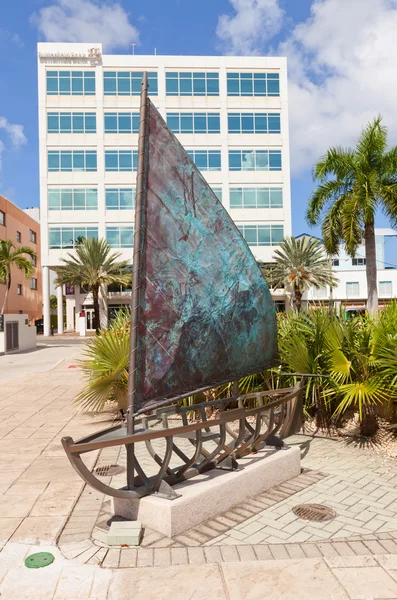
column 254, row 122
column 262, row 235
column 206, row 160
column 68, row 237
column 255, row 160
column 70, row 83
column 121, row 122
column 120, row 198
column 199, row 122
column 253, row 84
column 263, row 197
column 121, row 160
column 187, row 83
column 72, row 160
column 73, row 199
column 128, row 83
column 71, row 122
column 120, row 237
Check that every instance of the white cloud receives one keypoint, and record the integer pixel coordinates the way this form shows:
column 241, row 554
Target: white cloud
column 86, row 21
column 9, row 36
column 342, row 73
column 15, row 133
column 254, row 22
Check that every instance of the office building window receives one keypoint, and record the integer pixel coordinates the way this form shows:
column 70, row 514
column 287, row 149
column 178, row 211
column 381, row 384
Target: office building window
column 385, row 289
column 33, row 260
column 72, row 160
column 206, row 160
column 121, row 160
column 2, row 218
column 218, row 193
column 262, row 235
column 358, row 262
column 335, row 262
column 255, row 160
column 128, row 83
column 254, row 122
column 192, row 84
column 68, row 237
column 194, row 122
column 120, row 237
column 121, row 122
column 120, row 198
column 19, row 237
column 264, row 197
column 33, row 283
column 253, row 84
column 19, row 289
column 32, row 236
column 73, row 199
column 352, row 289
column 71, row 122
column 320, row 292
column 70, row 83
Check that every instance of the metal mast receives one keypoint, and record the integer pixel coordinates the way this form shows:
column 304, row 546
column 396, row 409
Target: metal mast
column 139, row 203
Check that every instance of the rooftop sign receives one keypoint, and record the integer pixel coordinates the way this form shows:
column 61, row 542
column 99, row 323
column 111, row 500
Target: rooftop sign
column 90, row 54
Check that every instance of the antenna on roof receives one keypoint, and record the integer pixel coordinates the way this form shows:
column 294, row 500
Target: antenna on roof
column 133, row 44
column 155, row 51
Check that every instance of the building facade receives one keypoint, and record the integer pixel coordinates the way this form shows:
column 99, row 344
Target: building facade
column 351, row 291
column 25, row 294
column 230, row 113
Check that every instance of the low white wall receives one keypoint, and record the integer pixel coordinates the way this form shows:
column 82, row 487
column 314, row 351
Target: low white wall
column 27, row 335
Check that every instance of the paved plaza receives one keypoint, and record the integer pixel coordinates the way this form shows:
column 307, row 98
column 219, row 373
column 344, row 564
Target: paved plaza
column 256, row 550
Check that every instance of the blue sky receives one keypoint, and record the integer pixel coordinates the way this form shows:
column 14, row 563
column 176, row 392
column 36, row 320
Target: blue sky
column 340, row 54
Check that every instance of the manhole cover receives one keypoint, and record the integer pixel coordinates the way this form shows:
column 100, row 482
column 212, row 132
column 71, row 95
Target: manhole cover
column 41, row 559
column 109, row 470
column 314, row 512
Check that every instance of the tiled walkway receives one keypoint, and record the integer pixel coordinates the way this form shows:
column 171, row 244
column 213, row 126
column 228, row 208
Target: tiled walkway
column 256, row 550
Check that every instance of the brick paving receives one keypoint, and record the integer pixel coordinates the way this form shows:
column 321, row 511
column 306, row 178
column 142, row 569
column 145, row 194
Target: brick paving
column 42, row 500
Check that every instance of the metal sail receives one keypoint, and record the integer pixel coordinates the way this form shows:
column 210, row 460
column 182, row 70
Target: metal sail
column 204, row 315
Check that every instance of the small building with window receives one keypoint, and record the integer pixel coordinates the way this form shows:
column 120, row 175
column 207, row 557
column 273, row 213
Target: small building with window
column 351, row 291
column 230, row 114
column 24, row 230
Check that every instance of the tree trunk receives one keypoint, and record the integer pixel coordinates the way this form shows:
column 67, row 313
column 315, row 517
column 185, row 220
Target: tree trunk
column 95, row 297
column 7, row 291
column 371, row 270
column 298, row 300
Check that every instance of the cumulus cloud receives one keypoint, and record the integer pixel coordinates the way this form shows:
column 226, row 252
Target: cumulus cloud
column 251, row 25
column 15, row 133
column 86, row 21
column 342, row 73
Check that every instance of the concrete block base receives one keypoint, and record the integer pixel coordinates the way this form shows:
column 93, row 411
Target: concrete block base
column 124, row 532
column 212, row 493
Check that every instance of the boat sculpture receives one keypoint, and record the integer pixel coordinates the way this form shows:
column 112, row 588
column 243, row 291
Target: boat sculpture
column 201, row 315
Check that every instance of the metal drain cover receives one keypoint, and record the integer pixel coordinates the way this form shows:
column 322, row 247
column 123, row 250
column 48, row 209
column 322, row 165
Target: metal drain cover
column 314, row 512
column 109, row 470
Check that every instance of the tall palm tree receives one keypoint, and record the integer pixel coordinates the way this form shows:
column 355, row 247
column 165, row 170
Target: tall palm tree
column 352, row 184
column 299, row 265
column 93, row 265
column 10, row 256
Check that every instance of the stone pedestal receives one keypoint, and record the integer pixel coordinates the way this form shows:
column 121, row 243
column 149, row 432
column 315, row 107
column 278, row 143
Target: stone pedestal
column 214, row 492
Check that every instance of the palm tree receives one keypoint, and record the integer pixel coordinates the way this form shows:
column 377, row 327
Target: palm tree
column 352, row 184
column 92, row 265
column 11, row 255
column 299, row 265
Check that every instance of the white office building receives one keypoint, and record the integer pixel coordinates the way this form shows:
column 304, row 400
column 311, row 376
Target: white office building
column 351, row 290
column 230, row 113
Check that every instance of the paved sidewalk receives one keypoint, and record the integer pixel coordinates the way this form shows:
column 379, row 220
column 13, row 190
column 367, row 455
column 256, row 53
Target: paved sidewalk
column 40, row 494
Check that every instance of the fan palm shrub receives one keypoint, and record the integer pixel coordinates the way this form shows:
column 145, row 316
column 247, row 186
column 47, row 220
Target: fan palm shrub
column 105, row 366
column 300, row 264
column 95, row 266
column 14, row 256
column 352, row 185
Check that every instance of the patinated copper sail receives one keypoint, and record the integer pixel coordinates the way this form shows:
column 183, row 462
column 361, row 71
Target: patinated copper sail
column 201, row 315
column 205, row 313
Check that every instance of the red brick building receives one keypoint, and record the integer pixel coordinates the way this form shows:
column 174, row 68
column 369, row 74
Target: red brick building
column 25, row 293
